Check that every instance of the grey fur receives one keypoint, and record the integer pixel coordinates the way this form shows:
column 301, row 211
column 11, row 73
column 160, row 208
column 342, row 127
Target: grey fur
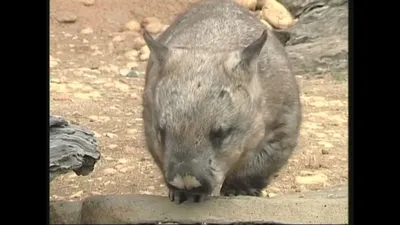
column 220, row 101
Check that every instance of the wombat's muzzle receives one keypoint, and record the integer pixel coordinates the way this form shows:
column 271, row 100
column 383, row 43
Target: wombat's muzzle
column 191, row 176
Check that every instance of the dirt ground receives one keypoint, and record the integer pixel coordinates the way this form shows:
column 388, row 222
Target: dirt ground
column 87, row 89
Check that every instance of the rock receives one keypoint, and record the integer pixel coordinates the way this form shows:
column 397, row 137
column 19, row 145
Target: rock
column 118, row 38
column 318, row 178
column 144, row 50
column 109, row 171
column 72, row 147
column 249, row 4
column 65, row 212
column 53, row 62
column 110, row 135
column 87, row 30
column 325, row 151
column 124, row 72
column 132, row 54
column 66, row 17
column 318, row 42
column 154, row 28
column 149, row 20
column 139, row 209
column 76, row 195
column 112, row 146
column 121, row 86
column 138, row 43
column 267, row 24
column 132, row 65
column 144, row 57
column 122, row 161
column 144, row 53
column 164, row 28
column 88, row 2
column 260, row 4
column 277, row 15
column 326, row 144
column 133, row 25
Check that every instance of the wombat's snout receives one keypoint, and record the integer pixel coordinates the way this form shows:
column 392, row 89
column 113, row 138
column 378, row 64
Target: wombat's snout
column 190, row 176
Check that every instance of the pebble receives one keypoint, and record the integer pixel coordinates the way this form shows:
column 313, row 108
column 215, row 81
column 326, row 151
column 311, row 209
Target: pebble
column 325, row 151
column 110, row 135
column 109, row 171
column 144, row 57
column 318, row 178
column 154, row 28
column 118, row 38
column 87, row 30
column 88, row 2
column 133, row 25
column 149, row 20
column 133, row 72
column 76, row 195
column 113, row 146
column 132, row 65
column 138, row 43
column 132, row 54
column 122, row 161
column 66, row 17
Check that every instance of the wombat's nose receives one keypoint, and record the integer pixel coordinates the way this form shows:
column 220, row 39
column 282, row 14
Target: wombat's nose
column 189, row 176
column 185, row 181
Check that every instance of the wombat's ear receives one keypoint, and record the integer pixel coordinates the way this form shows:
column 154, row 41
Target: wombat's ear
column 252, row 51
column 158, row 50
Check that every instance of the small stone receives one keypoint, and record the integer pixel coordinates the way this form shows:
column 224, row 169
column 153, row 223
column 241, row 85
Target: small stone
column 151, row 188
column 61, row 97
column 132, row 65
column 271, row 195
column 53, row 62
column 109, row 171
column 145, row 193
column 154, row 28
column 76, row 195
column 88, row 2
column 118, row 38
column 318, row 178
column 124, row 72
column 326, row 144
column 131, row 72
column 122, row 161
column 113, row 146
column 133, row 25
column 123, row 170
column 132, row 54
column 149, row 20
column 144, row 57
column 164, row 28
column 110, row 135
column 138, row 43
column 122, row 86
column 66, row 17
column 87, row 30
column 249, row 4
column 144, row 50
column 325, row 151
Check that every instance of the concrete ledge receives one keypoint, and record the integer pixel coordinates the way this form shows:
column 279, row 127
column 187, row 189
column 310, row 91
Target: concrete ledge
column 148, row 209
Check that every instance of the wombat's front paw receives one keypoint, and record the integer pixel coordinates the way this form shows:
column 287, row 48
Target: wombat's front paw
column 239, row 188
column 179, row 196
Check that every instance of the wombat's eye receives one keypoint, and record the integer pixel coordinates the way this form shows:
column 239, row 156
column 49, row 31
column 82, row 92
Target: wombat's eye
column 161, row 135
column 219, row 136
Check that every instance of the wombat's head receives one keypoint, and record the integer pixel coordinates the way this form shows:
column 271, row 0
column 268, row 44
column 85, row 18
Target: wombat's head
column 206, row 111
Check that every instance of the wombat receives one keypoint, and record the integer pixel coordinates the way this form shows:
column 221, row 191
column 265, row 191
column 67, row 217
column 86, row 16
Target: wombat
column 220, row 105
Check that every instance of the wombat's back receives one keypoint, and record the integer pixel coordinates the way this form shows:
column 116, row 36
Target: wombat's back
column 213, row 24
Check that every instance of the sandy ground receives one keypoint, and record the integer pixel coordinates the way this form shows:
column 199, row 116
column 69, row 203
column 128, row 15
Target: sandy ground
column 87, row 89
